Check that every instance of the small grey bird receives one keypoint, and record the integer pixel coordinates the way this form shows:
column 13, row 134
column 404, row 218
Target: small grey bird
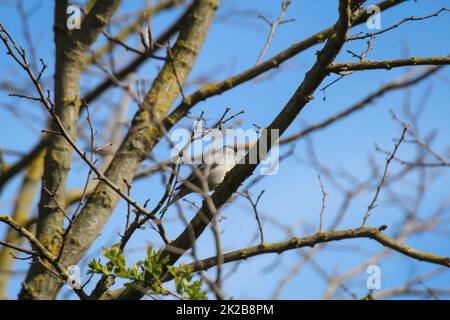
column 217, row 165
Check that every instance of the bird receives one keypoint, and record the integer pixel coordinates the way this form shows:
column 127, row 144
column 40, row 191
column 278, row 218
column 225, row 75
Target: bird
column 216, row 166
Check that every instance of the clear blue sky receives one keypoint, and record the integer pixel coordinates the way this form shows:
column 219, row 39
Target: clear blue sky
column 293, row 194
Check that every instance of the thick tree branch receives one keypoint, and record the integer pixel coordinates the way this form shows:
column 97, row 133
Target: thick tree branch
column 70, row 48
column 97, row 18
column 387, row 64
column 322, row 237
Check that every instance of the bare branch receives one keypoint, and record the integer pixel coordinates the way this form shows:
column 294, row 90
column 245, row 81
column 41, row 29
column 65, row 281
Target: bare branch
column 372, row 204
column 273, row 26
column 387, row 64
column 322, row 237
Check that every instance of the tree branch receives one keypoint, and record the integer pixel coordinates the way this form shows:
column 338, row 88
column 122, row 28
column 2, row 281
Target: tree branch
column 70, row 48
column 137, row 142
column 42, row 251
column 396, row 84
column 322, row 237
column 387, row 64
column 124, row 33
column 220, row 87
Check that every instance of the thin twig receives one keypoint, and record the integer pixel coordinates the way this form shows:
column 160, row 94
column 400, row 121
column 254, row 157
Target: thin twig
column 254, row 205
column 324, row 202
column 372, row 204
column 273, row 26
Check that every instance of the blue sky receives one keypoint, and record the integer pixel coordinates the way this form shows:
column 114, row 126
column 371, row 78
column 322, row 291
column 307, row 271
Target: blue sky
column 293, row 195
